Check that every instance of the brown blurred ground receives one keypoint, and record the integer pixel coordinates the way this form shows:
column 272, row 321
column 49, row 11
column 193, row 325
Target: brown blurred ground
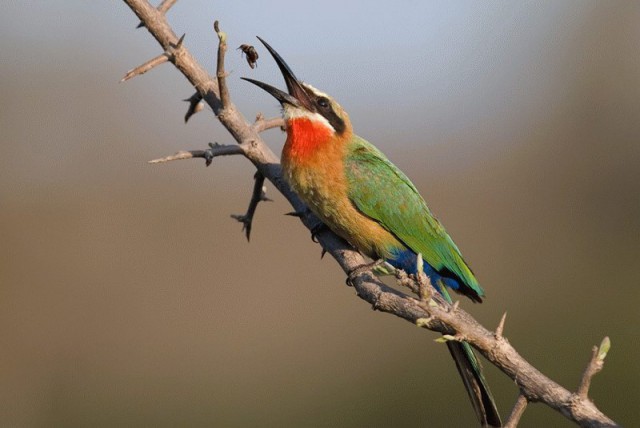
column 128, row 297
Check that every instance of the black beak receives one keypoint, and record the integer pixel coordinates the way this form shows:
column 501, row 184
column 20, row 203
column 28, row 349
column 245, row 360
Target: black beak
column 297, row 95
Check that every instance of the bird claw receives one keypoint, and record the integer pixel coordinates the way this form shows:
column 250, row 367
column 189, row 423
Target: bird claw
column 316, row 230
column 350, row 279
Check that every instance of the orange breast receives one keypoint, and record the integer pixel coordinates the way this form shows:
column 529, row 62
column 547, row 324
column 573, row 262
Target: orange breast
column 313, row 164
column 312, row 161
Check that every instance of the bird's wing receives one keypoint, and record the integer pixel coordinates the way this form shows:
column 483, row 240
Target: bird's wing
column 382, row 192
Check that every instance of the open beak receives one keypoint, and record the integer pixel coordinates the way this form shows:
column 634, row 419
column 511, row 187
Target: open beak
column 297, row 95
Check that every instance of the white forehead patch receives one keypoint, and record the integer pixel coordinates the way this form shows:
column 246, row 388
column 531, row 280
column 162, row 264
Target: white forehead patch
column 315, row 90
column 291, row 112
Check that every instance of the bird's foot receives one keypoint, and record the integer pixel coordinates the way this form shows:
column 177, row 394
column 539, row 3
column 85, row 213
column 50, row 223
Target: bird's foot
column 316, row 229
column 361, row 269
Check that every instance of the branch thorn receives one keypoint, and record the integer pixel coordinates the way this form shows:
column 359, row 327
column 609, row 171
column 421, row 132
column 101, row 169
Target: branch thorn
column 500, row 328
column 178, row 44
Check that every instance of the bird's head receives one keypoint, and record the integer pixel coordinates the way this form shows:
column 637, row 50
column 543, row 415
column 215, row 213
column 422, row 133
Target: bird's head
column 304, row 103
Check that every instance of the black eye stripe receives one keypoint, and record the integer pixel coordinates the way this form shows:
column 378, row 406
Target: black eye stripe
column 334, row 120
column 324, row 107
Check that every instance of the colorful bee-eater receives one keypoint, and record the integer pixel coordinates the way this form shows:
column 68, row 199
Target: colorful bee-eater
column 364, row 198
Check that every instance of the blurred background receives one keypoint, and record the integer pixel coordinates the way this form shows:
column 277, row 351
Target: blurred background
column 129, row 297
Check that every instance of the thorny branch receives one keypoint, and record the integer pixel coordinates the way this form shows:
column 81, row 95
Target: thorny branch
column 258, row 195
column 213, row 151
column 447, row 319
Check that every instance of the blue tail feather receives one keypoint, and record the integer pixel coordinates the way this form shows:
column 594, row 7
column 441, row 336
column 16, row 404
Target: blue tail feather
column 466, row 362
column 407, row 261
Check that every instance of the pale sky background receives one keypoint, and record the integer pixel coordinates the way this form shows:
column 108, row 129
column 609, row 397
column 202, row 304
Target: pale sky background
column 445, row 68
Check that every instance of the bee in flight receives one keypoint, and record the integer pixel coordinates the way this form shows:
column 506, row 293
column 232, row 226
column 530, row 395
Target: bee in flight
column 251, row 54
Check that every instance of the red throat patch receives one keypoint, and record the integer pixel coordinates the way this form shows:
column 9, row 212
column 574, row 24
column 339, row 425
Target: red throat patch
column 304, row 138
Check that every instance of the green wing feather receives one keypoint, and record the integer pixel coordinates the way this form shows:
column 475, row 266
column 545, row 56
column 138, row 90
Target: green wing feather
column 382, row 192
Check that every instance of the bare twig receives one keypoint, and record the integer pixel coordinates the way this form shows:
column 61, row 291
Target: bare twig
column 258, row 195
column 221, row 74
column 262, row 124
column 516, row 412
column 213, row 151
column 595, row 365
column 154, row 62
column 456, row 323
column 141, row 69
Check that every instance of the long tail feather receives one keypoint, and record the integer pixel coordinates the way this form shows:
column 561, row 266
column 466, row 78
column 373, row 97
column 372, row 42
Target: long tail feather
column 477, row 388
column 474, row 382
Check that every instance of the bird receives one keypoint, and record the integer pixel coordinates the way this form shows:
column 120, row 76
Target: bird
column 355, row 190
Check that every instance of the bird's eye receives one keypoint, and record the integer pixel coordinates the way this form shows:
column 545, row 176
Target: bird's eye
column 323, row 102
